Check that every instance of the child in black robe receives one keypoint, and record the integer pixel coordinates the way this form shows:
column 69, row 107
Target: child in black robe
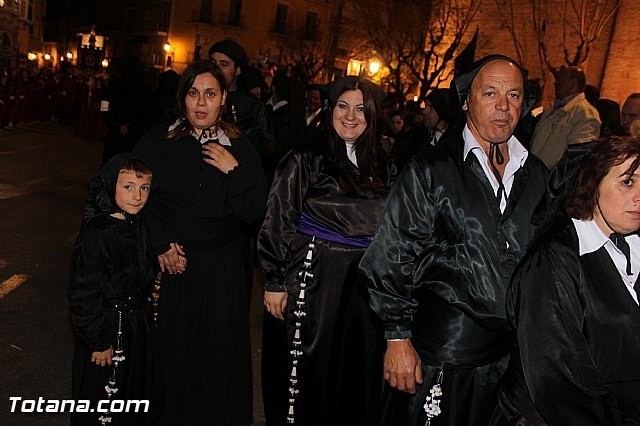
column 110, row 286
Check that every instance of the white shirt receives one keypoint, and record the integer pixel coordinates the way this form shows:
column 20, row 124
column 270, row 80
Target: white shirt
column 207, row 134
column 517, row 157
column 591, row 238
column 277, row 105
column 312, row 115
column 351, row 153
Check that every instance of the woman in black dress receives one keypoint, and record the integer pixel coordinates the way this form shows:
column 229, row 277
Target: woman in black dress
column 324, row 207
column 208, row 181
column 574, row 300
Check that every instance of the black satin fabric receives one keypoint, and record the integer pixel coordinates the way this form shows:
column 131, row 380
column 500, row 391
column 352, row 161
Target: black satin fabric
column 577, row 359
column 108, row 267
column 458, row 409
column 309, row 181
column 204, row 312
column 340, row 372
column 441, row 261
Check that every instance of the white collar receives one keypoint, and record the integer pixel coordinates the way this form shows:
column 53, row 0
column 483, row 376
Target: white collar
column 277, row 105
column 517, row 157
column 517, row 152
column 590, row 236
column 207, row 134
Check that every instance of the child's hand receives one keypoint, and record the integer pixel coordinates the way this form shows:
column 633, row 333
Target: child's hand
column 102, row 358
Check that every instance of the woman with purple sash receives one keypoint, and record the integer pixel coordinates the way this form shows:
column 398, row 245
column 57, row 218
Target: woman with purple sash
column 323, row 210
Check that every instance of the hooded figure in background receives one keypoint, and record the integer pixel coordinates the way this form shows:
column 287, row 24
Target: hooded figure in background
column 455, row 225
column 438, row 123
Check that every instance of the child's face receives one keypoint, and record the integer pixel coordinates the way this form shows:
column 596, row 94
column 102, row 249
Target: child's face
column 132, row 191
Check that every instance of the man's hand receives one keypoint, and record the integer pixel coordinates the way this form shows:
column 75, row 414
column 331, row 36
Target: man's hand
column 402, row 365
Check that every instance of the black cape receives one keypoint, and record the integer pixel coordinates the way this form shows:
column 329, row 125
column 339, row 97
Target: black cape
column 578, row 344
column 339, row 373
column 204, row 312
column 109, row 268
column 439, row 268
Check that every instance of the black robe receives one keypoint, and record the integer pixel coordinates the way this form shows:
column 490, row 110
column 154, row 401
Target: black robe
column 110, row 283
column 204, row 312
column 577, row 358
column 340, row 370
column 438, row 272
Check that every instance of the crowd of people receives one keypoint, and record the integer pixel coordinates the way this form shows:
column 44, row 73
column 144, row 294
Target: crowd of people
column 68, row 96
column 462, row 260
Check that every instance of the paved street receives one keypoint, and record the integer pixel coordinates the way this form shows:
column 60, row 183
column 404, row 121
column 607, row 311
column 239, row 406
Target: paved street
column 44, row 170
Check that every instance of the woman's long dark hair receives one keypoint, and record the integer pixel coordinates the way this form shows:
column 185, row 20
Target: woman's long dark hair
column 186, row 81
column 367, row 146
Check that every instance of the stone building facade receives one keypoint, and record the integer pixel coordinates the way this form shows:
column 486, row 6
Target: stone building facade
column 614, row 61
column 20, row 30
column 173, row 33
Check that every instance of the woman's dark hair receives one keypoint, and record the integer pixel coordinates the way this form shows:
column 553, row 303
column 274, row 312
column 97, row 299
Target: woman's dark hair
column 186, row 82
column 367, row 146
column 606, row 154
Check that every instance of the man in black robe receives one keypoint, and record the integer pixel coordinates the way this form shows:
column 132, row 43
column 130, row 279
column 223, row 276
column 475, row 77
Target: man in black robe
column 456, row 224
column 244, row 108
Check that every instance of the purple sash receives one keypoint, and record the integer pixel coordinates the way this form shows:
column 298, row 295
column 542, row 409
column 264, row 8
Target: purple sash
column 309, row 226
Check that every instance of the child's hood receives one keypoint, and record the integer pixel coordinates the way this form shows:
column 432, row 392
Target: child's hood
column 102, row 188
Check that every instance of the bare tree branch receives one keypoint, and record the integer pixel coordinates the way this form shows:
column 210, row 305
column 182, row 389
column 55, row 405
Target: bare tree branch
column 416, row 40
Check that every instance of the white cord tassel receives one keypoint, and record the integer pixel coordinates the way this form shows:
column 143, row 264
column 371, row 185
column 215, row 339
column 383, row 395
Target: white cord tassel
column 296, row 352
column 119, row 357
column 432, row 404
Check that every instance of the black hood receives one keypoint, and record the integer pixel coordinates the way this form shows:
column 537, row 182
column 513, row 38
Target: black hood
column 463, row 83
column 102, row 188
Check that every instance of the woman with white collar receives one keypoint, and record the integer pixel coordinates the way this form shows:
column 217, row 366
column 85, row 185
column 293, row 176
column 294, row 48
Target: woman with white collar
column 574, row 298
column 324, row 208
column 208, row 183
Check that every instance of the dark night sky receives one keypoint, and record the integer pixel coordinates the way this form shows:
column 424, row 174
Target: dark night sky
column 59, row 8
column 55, row 8
column 63, row 16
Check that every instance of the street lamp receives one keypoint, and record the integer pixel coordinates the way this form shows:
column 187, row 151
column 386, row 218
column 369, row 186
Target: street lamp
column 31, row 56
column 167, row 49
column 354, row 67
column 47, row 57
column 374, row 66
column 105, row 63
column 69, row 55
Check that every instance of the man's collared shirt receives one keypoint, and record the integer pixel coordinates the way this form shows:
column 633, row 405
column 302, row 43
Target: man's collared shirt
column 276, row 106
column 517, row 157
